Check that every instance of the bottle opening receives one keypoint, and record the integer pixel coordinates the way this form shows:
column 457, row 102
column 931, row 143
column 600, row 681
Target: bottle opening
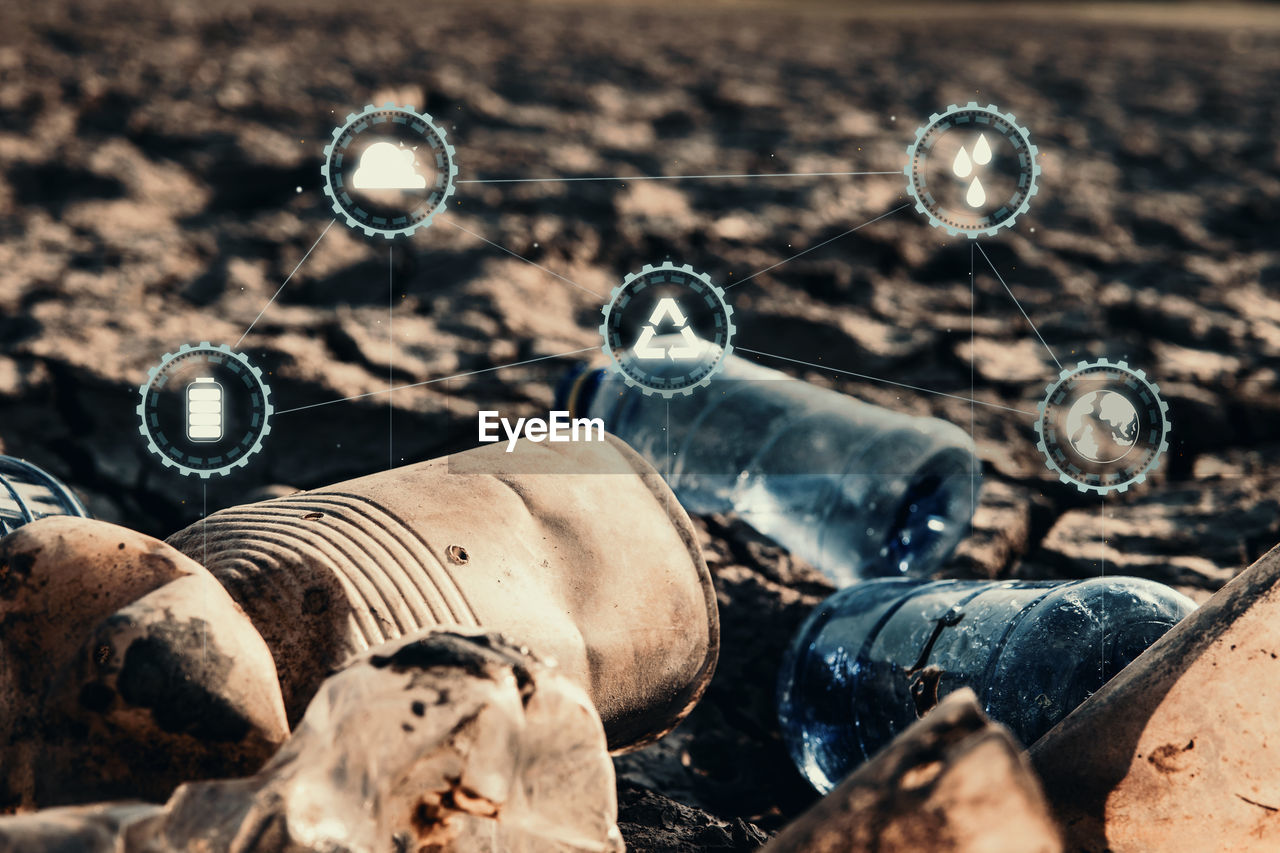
column 932, row 515
column 28, row 493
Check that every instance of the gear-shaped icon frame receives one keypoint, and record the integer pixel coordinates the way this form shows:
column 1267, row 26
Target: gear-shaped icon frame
column 973, row 114
column 212, row 466
column 702, row 286
column 347, row 207
column 1048, row 441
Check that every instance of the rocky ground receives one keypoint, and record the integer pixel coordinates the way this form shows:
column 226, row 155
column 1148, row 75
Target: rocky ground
column 159, row 180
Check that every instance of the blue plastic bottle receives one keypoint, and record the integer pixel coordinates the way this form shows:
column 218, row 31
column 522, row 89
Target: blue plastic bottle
column 874, row 657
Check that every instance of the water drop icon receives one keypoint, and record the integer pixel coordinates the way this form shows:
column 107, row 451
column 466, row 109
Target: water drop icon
column 976, row 196
column 962, row 165
column 982, row 151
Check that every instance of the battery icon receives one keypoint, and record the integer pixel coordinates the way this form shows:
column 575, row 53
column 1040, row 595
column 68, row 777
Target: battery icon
column 204, row 410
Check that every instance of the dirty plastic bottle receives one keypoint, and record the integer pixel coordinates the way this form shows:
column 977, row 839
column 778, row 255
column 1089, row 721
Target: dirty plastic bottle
column 28, row 492
column 555, row 545
column 857, row 490
column 873, row 658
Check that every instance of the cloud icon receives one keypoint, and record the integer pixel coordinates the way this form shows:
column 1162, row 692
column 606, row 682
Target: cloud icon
column 383, row 166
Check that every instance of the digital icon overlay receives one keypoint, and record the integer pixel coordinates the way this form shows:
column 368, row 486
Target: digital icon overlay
column 1103, row 426
column 972, row 170
column 388, row 170
column 667, row 329
column 204, row 410
column 688, row 346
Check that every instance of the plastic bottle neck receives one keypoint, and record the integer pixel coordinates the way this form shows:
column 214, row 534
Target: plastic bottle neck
column 576, row 390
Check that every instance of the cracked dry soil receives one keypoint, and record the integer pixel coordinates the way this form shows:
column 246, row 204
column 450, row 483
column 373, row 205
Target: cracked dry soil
column 159, row 179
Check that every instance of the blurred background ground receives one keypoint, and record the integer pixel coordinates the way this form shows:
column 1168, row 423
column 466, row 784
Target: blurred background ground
column 159, row 179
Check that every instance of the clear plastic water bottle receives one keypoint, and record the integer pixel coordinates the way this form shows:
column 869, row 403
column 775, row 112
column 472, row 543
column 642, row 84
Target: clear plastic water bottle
column 874, row 657
column 857, row 490
column 28, row 493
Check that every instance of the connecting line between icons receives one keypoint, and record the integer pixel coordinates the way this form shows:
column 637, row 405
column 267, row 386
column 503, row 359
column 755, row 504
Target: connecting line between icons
column 1000, row 279
column 970, row 400
column 817, row 246
column 391, row 355
column 286, row 281
column 973, row 390
column 441, row 379
column 519, row 257
column 624, row 178
column 667, row 432
column 204, row 533
column 1102, row 556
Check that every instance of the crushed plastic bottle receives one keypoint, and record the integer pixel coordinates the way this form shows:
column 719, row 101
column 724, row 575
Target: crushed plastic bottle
column 28, row 492
column 873, row 658
column 857, row 490
column 457, row 741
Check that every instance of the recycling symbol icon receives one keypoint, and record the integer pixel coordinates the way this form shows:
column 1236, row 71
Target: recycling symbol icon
column 664, row 342
column 690, row 346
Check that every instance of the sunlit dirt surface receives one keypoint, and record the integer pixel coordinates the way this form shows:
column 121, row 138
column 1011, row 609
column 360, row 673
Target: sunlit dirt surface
column 159, row 180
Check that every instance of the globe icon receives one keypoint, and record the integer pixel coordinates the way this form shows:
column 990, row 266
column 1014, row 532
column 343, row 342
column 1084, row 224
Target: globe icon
column 1102, row 426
